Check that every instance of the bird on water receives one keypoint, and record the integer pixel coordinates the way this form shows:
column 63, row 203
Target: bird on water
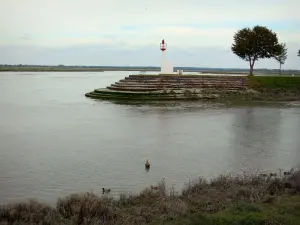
column 147, row 164
column 105, row 190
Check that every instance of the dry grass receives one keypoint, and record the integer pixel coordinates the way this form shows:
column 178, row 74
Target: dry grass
column 31, row 212
column 155, row 205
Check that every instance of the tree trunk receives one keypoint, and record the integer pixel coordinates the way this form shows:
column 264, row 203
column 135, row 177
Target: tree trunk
column 251, row 67
column 279, row 69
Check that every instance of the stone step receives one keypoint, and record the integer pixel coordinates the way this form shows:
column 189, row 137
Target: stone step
column 180, row 76
column 180, row 84
column 144, row 89
column 129, row 92
column 145, row 96
column 177, row 86
column 180, row 79
column 133, row 88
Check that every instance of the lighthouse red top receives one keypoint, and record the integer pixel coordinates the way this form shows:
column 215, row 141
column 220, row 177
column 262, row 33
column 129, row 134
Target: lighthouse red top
column 163, row 45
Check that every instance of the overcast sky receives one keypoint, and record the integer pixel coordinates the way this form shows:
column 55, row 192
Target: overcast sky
column 128, row 32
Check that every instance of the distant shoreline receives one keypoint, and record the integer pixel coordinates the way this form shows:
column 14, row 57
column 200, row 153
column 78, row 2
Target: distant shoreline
column 51, row 69
column 8, row 68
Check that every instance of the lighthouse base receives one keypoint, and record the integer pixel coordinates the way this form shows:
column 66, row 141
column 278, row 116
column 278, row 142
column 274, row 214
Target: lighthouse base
column 167, row 68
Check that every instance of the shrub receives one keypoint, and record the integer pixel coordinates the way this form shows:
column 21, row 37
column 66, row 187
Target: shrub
column 31, row 212
column 88, row 207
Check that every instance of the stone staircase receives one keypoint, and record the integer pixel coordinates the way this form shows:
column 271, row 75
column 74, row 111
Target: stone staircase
column 148, row 83
column 164, row 87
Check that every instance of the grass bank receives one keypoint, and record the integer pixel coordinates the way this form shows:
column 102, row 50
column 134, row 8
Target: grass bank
column 275, row 88
column 241, row 200
column 274, row 82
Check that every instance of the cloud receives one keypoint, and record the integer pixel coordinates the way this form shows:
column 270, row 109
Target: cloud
column 25, row 36
column 190, row 27
column 128, row 27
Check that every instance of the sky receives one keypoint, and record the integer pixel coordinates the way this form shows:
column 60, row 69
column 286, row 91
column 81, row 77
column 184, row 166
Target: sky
column 127, row 33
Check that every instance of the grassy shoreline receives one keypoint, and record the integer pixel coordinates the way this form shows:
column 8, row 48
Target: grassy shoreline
column 241, row 200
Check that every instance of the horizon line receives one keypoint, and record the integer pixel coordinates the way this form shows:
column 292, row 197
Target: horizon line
column 140, row 67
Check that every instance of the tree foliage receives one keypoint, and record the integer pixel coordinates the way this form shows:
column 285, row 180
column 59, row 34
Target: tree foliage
column 251, row 44
column 281, row 56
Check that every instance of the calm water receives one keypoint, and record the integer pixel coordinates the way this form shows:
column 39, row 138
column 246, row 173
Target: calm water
column 54, row 141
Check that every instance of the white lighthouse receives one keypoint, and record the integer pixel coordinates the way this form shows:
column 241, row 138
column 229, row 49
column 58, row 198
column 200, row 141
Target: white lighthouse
column 166, row 67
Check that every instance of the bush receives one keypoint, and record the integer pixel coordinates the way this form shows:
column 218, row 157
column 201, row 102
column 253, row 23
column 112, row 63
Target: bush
column 85, row 208
column 30, row 212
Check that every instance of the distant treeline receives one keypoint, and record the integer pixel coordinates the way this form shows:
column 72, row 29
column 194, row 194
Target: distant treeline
column 22, row 67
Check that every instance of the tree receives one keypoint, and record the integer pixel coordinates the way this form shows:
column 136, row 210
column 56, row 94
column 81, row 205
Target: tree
column 299, row 53
column 256, row 43
column 282, row 55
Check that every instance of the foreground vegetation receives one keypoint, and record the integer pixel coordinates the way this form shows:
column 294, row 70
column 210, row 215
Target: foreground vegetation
column 242, row 200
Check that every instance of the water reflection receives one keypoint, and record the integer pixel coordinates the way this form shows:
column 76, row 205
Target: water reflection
column 259, row 139
column 290, row 129
column 296, row 163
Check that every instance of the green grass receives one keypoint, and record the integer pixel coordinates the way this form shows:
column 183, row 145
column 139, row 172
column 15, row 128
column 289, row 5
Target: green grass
column 283, row 210
column 274, row 82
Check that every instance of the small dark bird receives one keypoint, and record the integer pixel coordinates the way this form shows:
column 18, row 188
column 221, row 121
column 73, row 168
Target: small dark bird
column 147, row 164
column 105, row 190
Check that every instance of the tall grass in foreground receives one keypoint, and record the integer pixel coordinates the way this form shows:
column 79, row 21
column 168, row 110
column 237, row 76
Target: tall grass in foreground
column 201, row 200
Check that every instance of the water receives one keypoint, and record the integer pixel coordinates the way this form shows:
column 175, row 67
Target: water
column 54, row 141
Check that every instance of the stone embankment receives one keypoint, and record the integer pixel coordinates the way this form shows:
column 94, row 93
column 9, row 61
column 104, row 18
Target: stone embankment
column 171, row 87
